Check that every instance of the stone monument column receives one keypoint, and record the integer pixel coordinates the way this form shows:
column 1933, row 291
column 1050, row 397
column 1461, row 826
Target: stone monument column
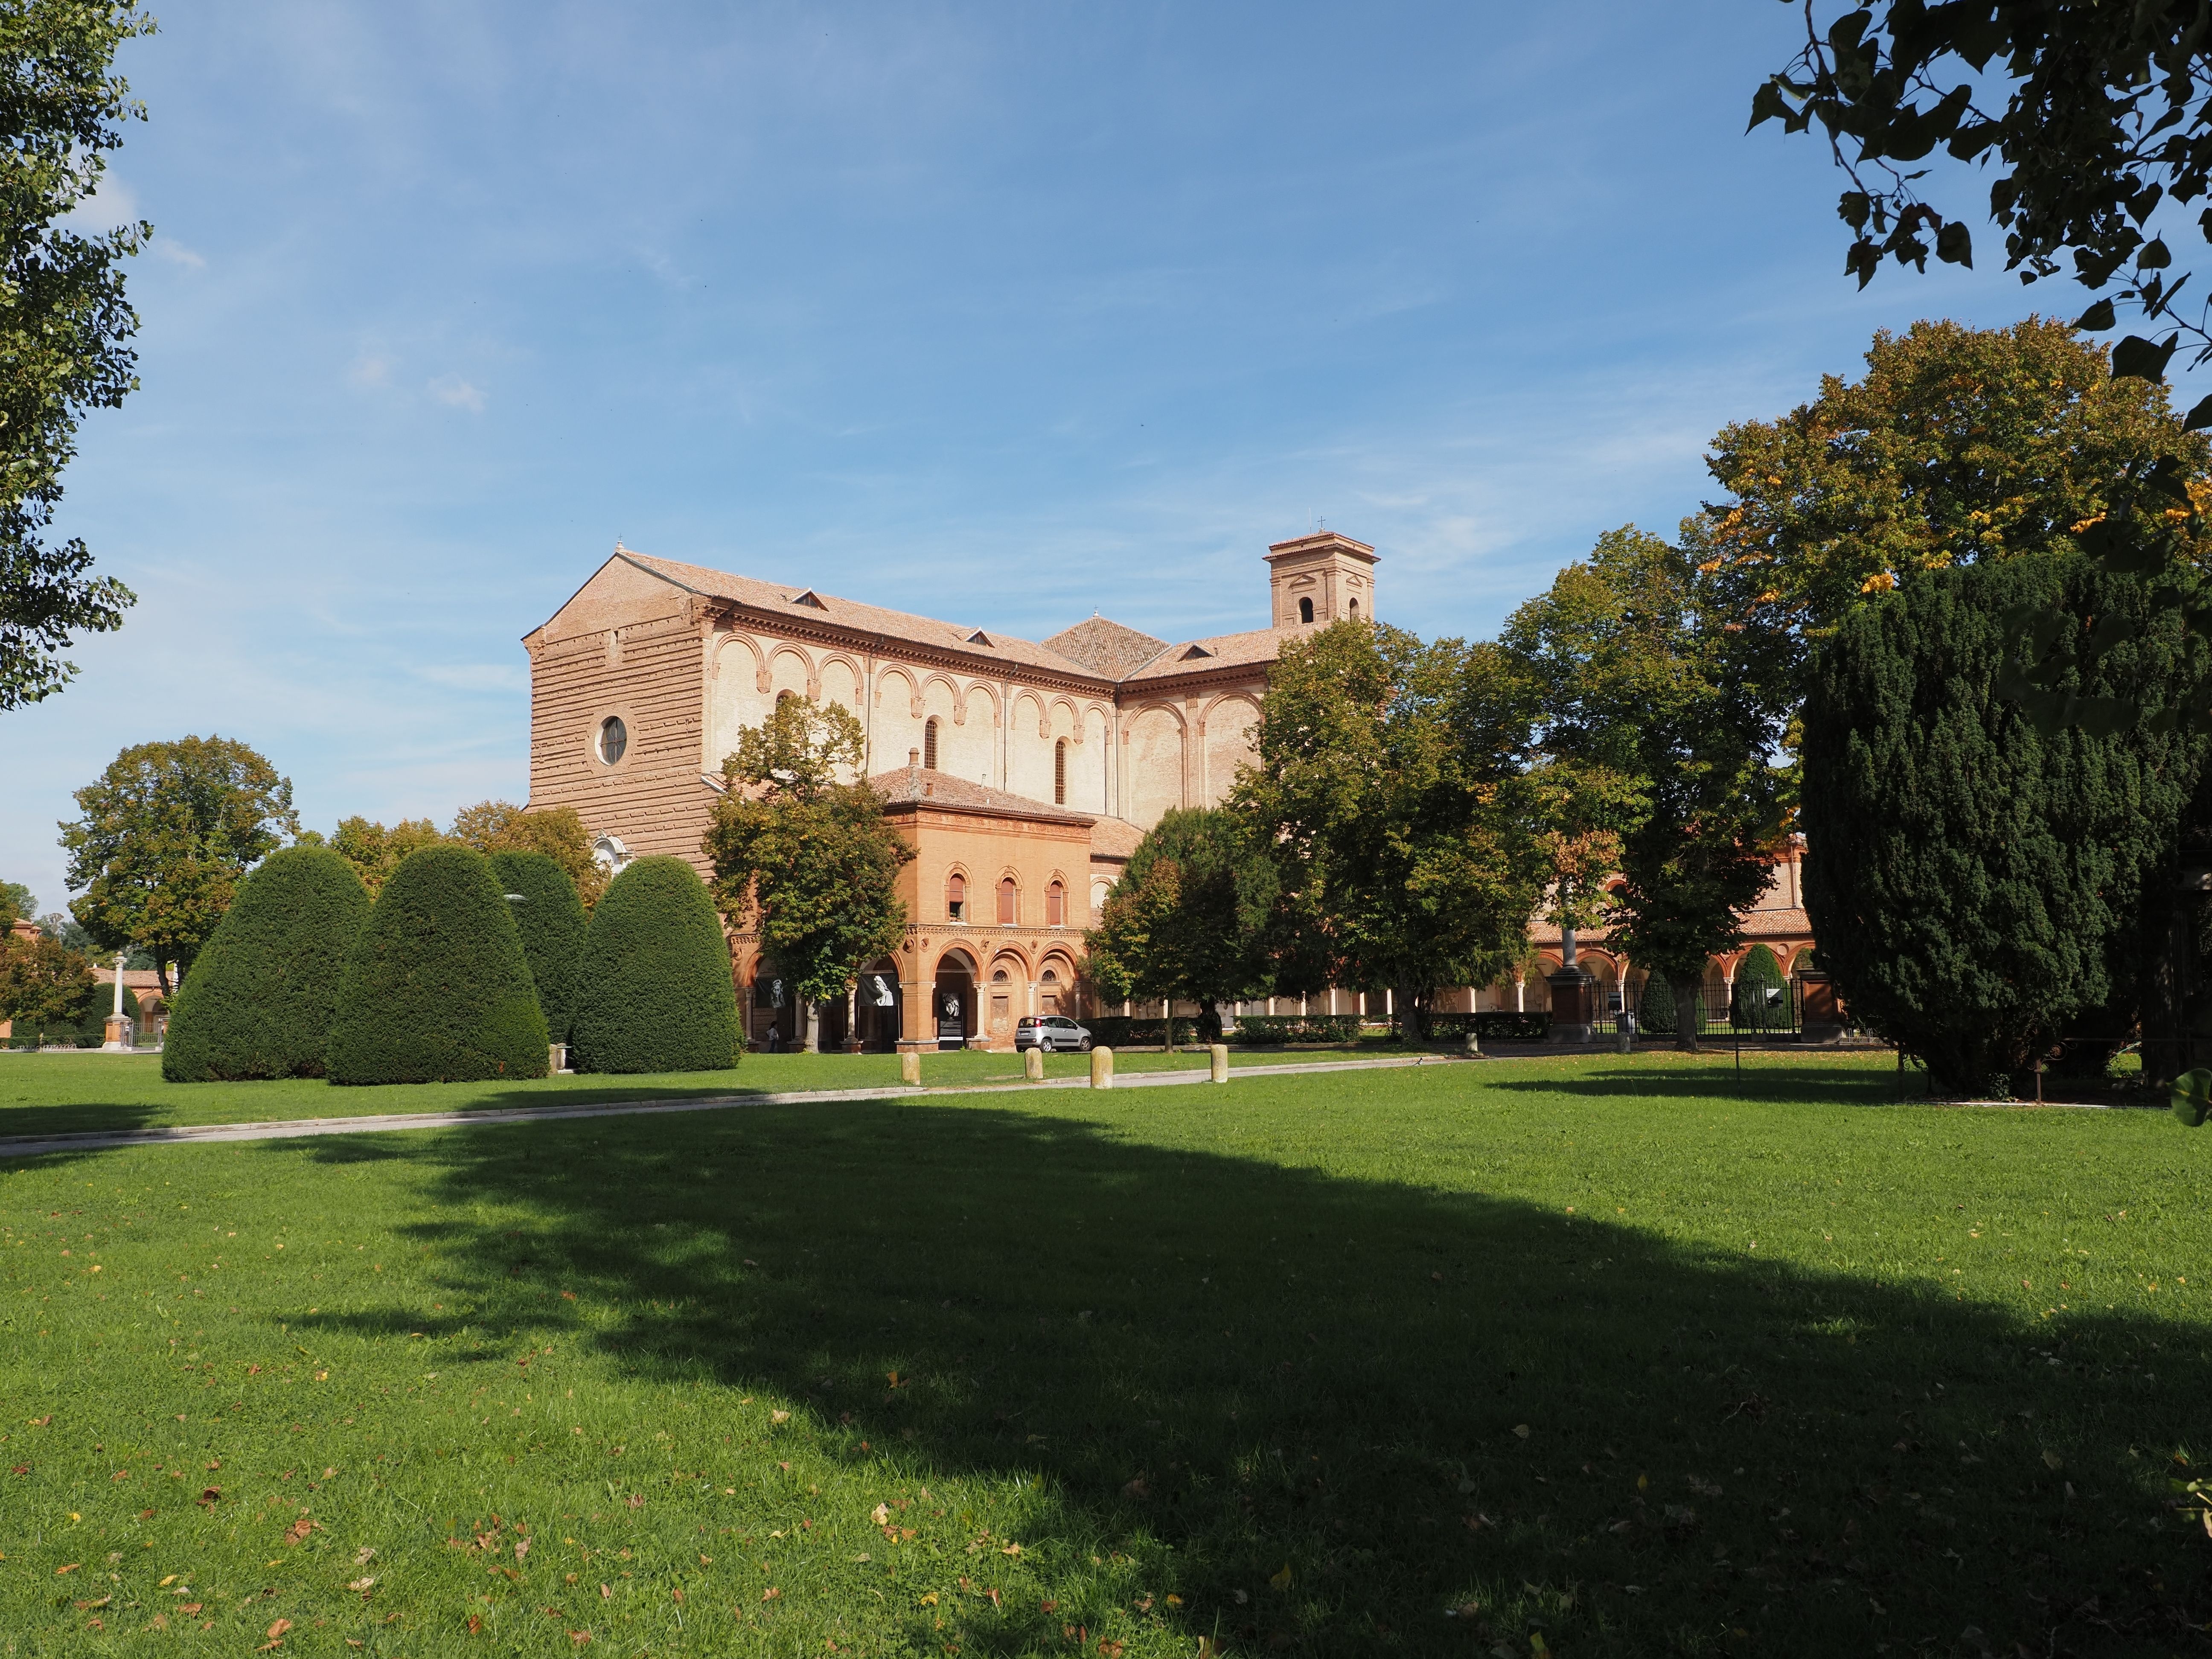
column 118, row 1023
column 1572, row 994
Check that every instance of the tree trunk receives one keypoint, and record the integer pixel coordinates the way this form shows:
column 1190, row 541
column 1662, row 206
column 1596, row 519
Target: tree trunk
column 1412, row 1007
column 1687, row 1016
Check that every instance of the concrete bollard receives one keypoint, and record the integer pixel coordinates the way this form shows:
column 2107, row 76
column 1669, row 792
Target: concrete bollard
column 1101, row 1068
column 1220, row 1052
column 1033, row 1064
column 910, row 1067
column 1473, row 1042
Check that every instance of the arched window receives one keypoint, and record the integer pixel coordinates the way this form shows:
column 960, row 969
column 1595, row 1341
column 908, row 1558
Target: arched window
column 929, row 743
column 1055, row 906
column 1305, row 610
column 956, row 896
column 1355, row 607
column 1059, row 772
column 1006, row 901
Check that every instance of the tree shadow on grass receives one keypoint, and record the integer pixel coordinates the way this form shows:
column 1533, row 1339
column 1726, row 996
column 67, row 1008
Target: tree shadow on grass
column 1713, row 1075
column 1412, row 1400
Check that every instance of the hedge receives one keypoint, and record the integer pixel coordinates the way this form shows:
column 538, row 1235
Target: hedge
column 260, row 997
column 1296, row 1028
column 437, row 988
column 1756, row 975
column 1492, row 1026
column 655, row 989
column 550, row 916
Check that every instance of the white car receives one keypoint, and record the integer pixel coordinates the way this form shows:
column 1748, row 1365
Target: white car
column 1049, row 1032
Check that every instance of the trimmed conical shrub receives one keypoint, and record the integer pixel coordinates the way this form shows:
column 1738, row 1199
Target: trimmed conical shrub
column 259, row 1000
column 1655, row 1011
column 550, row 918
column 437, row 988
column 1754, row 1010
column 653, row 990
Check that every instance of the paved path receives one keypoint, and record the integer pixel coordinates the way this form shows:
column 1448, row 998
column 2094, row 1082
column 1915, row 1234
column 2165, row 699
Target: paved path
column 291, row 1128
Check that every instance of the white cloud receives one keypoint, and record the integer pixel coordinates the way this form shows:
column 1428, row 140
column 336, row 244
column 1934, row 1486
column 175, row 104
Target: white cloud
column 177, row 254
column 114, row 204
column 371, row 368
column 458, row 393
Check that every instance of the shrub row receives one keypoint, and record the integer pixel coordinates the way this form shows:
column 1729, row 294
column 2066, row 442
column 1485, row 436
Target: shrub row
column 1495, row 1024
column 464, row 968
column 1269, row 1029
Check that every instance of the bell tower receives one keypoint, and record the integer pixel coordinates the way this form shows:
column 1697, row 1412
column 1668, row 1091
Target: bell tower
column 1320, row 579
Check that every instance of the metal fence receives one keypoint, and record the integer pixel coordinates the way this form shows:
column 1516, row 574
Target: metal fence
column 1751, row 1011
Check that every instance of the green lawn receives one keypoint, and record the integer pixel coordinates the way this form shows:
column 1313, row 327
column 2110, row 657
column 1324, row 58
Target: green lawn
column 52, row 1094
column 1584, row 1356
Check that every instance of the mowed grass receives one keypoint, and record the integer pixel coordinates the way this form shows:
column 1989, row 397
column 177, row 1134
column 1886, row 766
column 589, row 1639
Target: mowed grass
column 1584, row 1356
column 68, row 1093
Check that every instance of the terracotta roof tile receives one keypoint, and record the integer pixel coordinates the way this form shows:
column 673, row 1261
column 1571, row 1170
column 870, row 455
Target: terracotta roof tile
column 906, row 785
column 1106, row 647
column 1223, row 651
column 778, row 600
column 1114, row 838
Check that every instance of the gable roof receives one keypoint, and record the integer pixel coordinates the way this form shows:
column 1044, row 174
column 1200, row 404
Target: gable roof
column 1097, row 649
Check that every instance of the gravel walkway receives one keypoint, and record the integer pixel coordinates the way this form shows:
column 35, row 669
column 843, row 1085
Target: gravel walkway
column 292, row 1128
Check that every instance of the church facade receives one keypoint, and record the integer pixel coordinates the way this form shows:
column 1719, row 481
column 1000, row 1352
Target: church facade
column 1022, row 773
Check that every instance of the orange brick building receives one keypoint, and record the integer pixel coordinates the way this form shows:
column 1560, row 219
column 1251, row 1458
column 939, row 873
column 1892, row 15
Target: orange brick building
column 1023, row 773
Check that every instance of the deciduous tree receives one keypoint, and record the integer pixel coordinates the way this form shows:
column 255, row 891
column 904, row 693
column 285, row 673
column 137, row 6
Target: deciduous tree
column 64, row 323
column 806, row 861
column 43, row 984
column 1630, row 672
column 167, row 830
column 1957, row 447
column 1190, row 919
column 1380, row 785
column 558, row 832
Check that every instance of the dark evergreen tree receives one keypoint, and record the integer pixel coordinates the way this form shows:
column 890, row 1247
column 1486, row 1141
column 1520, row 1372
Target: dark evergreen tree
column 550, row 914
column 265, row 987
column 437, row 988
column 655, row 989
column 1976, row 883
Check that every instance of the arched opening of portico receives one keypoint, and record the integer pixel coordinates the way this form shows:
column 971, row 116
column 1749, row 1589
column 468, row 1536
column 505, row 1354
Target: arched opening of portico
column 1056, row 988
column 952, row 1000
column 1008, row 993
column 876, row 1003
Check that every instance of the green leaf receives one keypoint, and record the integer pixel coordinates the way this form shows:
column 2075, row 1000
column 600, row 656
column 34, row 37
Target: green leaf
column 2199, row 416
column 2137, row 359
column 1955, row 245
column 2192, row 1097
column 2097, row 319
column 1767, row 104
column 2153, row 254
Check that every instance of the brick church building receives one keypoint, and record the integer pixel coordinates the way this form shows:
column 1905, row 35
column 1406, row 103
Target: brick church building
column 1022, row 773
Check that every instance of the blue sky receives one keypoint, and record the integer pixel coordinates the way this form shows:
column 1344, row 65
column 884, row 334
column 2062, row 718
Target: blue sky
column 1000, row 313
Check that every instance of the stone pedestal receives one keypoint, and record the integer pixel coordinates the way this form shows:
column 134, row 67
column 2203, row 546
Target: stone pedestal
column 1824, row 1010
column 1033, row 1065
column 1101, row 1068
column 1219, row 1053
column 118, row 1040
column 1573, row 993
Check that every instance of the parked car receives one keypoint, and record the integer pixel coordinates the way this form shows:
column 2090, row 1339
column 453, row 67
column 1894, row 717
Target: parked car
column 1050, row 1032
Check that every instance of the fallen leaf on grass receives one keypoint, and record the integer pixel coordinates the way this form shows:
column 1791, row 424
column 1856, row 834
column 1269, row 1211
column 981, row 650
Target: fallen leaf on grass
column 779, row 1417
column 1281, row 1581
column 880, row 1515
column 475, row 1623
column 768, row 1595
column 1520, row 1431
column 360, row 1583
column 72, row 1567
column 298, row 1531
column 1012, row 1549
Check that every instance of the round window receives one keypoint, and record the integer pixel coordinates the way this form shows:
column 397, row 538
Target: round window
column 614, row 737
